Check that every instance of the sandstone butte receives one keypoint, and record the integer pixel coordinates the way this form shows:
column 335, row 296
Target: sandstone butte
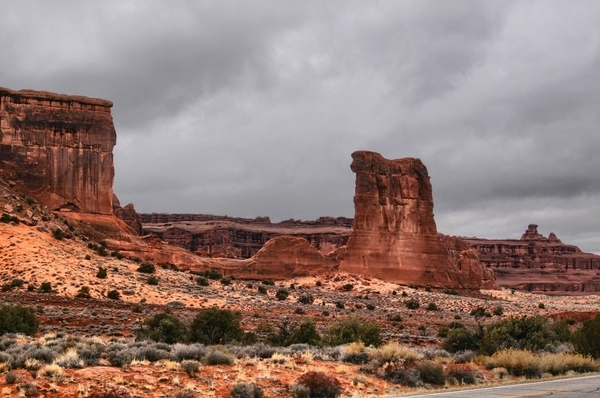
column 394, row 236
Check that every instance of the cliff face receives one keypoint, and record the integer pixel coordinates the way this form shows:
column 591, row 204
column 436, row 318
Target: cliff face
column 233, row 237
column 58, row 149
column 394, row 236
column 539, row 264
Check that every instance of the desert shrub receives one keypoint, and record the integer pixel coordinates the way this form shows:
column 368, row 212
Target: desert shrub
column 370, row 306
column 432, row 373
column 5, row 218
column 557, row 364
column 17, row 319
column 406, row 373
column 29, row 389
column 306, row 299
column 113, row 295
column 461, row 372
column 84, row 292
column 585, row 340
column 517, row 362
column 340, row 305
column 58, row 234
column 463, row 356
column 412, row 304
column 246, row 390
column 11, row 377
column 355, row 353
column 146, row 268
column 218, row 357
column 164, row 327
column 216, row 326
column 152, row 280
column 212, row 274
column 190, row 366
column 268, row 282
column 444, row 329
column 120, row 355
column 432, row 307
column 13, row 284
column 353, row 329
column 320, row 385
column 392, row 352
column 282, row 294
column 153, row 353
column 189, row 351
column 102, row 273
column 261, row 289
column 110, row 392
column 541, row 306
column 90, row 353
column 69, row 359
column 288, row 332
column 348, row 286
column 529, row 333
column 498, row 311
column 319, row 283
column 46, row 287
column 52, row 371
column 226, row 281
column 202, row 281
column 478, row 312
column 462, row 339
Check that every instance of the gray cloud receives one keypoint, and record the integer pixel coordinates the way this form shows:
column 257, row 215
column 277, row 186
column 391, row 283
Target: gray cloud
column 253, row 108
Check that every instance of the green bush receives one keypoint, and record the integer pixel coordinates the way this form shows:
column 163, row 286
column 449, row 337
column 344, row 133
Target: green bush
column 58, row 234
column 165, row 328
column 288, row 332
column 190, row 366
column 354, row 329
column 348, row 287
column 528, row 333
column 586, row 340
column 102, row 273
column 46, row 287
column 340, row 305
column 432, row 373
column 461, row 339
column 262, row 289
column 282, row 294
column 84, row 292
column 202, row 281
column 218, row 357
column 153, row 280
column 113, row 295
column 319, row 385
column 412, row 304
column 432, row 307
column 212, row 274
column 226, row 281
column 146, row 268
column 268, row 282
column 17, row 319
column 461, row 372
column 498, row 311
column 215, row 326
column 306, row 299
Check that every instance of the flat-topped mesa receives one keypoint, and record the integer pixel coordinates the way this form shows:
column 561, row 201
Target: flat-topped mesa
column 394, row 235
column 58, row 149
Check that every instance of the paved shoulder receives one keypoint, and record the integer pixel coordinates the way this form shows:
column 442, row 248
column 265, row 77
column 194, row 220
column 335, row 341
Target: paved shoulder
column 577, row 387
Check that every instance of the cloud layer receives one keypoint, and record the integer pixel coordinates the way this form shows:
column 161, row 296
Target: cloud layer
column 253, row 108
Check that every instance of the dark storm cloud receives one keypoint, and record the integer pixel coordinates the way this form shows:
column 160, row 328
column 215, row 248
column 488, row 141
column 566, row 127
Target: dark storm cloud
column 253, row 108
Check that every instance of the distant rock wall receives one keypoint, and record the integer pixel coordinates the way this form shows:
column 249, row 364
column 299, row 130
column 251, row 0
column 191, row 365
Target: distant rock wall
column 394, row 236
column 58, row 149
column 539, row 264
column 234, row 237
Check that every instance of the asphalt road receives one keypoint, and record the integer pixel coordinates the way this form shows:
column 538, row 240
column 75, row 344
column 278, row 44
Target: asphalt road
column 578, row 387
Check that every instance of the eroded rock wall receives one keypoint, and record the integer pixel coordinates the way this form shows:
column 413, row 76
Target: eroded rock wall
column 58, row 149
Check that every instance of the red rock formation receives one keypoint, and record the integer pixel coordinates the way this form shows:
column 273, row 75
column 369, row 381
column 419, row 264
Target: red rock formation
column 128, row 215
column 394, row 235
column 221, row 236
column 467, row 265
column 539, row 264
column 58, row 149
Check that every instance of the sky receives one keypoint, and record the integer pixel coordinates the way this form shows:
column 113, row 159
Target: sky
column 253, row 108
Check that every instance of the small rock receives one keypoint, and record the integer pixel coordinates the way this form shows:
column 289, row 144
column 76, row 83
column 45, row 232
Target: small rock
column 8, row 208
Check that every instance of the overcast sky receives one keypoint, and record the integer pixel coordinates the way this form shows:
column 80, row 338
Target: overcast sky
column 252, row 108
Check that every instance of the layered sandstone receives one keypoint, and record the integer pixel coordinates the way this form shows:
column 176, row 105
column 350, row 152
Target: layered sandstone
column 128, row 215
column 58, row 149
column 539, row 264
column 394, row 236
column 234, row 237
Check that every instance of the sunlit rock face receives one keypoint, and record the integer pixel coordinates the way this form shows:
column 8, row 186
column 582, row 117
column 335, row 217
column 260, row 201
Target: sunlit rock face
column 394, row 234
column 58, row 149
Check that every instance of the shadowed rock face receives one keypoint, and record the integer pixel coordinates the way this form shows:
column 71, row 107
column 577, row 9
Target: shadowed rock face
column 58, row 149
column 394, row 235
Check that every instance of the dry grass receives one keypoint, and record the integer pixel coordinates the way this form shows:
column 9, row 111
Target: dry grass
column 392, row 352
